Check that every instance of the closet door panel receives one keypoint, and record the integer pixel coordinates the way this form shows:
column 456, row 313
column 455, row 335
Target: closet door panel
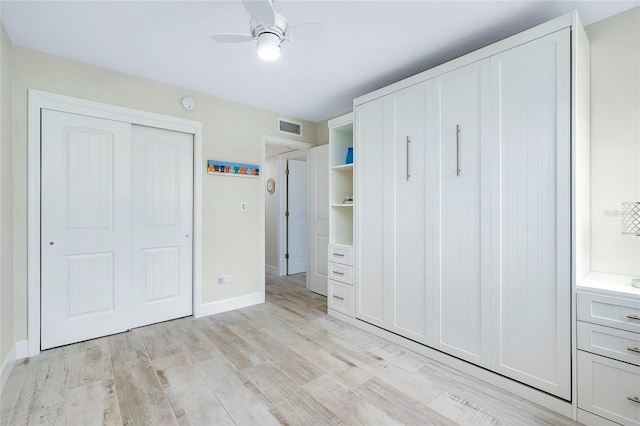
column 410, row 290
column 370, row 192
column 531, row 211
column 461, row 326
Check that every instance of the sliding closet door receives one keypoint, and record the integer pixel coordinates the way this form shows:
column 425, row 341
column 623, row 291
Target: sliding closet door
column 86, row 228
column 461, row 280
column 162, row 225
column 531, row 214
column 117, row 208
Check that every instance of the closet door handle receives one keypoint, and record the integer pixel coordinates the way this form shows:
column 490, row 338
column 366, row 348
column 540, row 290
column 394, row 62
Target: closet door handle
column 408, row 170
column 457, row 150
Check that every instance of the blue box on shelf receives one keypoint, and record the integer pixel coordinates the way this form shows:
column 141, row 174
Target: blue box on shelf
column 349, row 159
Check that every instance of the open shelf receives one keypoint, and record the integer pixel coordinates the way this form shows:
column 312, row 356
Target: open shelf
column 340, row 180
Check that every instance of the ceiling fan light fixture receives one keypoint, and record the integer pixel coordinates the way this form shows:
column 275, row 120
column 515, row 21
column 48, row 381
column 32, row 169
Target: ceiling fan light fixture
column 269, row 47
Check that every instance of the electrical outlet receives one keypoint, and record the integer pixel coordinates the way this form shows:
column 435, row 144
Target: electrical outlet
column 243, row 206
column 226, row 279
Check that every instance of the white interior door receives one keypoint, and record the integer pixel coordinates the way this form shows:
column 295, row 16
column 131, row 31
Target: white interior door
column 162, row 218
column 318, row 163
column 86, row 227
column 297, row 203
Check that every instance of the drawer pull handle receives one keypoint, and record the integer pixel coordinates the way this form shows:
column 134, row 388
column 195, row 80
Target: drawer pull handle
column 338, row 273
column 634, row 399
column 342, row 255
column 338, row 297
column 633, row 317
column 636, row 350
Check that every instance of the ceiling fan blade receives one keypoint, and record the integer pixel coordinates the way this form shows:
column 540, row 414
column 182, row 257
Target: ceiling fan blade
column 308, row 34
column 260, row 11
column 231, row 38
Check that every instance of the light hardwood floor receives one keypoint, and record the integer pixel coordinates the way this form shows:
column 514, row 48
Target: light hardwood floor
column 282, row 362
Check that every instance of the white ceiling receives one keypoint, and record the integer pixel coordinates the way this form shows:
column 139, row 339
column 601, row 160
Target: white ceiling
column 369, row 43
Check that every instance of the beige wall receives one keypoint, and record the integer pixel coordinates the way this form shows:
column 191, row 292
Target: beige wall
column 615, row 139
column 6, row 265
column 231, row 131
column 322, row 132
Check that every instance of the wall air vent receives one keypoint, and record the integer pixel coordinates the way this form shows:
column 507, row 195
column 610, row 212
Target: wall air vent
column 289, row 127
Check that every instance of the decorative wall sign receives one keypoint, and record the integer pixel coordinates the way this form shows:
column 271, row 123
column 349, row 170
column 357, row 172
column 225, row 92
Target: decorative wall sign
column 271, row 186
column 215, row 167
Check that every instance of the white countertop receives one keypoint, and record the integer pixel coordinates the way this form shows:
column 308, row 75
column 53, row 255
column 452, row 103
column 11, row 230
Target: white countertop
column 609, row 284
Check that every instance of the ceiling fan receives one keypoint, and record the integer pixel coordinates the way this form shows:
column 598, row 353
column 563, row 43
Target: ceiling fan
column 269, row 29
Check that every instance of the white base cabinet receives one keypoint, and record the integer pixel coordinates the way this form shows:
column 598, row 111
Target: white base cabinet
column 609, row 388
column 608, row 338
column 463, row 226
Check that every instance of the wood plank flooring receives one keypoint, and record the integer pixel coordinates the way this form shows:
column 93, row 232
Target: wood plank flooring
column 282, row 362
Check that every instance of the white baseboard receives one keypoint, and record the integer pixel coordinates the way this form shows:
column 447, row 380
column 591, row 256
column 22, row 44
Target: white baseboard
column 230, row 304
column 22, row 349
column 270, row 269
column 7, row 366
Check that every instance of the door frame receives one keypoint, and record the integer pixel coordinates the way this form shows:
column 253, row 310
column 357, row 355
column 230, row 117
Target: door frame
column 299, row 146
column 39, row 100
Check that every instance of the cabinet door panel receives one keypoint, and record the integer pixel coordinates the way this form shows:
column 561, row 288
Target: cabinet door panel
column 369, row 204
column 531, row 214
column 410, row 291
column 461, row 290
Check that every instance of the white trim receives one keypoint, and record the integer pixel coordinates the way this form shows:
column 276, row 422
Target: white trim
column 18, row 351
column 587, row 418
column 22, row 349
column 273, row 270
column 39, row 100
column 234, row 303
column 281, row 227
column 7, row 366
column 298, row 145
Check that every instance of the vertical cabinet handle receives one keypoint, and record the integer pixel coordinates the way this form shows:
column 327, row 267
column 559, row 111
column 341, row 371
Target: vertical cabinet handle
column 457, row 150
column 408, row 170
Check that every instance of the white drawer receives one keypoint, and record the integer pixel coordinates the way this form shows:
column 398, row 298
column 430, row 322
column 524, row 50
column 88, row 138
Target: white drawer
column 340, row 297
column 340, row 253
column 342, row 273
column 609, row 311
column 608, row 388
column 619, row 344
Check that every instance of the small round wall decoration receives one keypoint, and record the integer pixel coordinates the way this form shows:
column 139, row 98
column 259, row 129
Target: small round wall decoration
column 271, row 186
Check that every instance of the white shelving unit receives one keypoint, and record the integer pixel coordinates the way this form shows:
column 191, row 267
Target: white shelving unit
column 341, row 265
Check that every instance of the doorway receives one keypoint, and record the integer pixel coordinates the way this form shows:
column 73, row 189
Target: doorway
column 285, row 169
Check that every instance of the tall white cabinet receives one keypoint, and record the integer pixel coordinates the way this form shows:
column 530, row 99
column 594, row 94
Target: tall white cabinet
column 340, row 297
column 463, row 226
